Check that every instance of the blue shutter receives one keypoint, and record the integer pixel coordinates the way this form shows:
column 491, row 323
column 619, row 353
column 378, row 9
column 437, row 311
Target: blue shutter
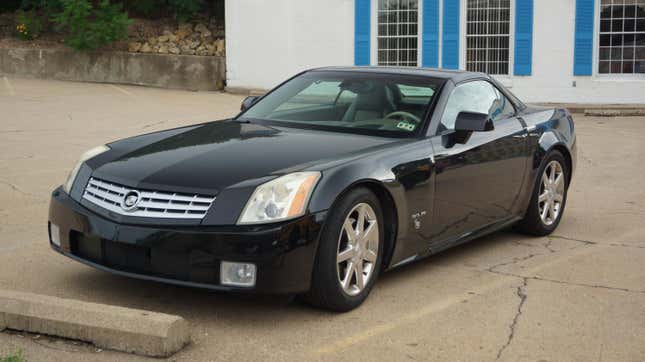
column 362, row 15
column 583, row 46
column 450, row 44
column 430, row 35
column 523, row 36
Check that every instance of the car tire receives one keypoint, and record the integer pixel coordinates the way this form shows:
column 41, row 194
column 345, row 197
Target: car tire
column 331, row 288
column 534, row 222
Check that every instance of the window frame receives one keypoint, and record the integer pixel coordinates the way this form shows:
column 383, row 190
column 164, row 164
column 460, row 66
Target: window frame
column 596, row 54
column 463, row 13
column 374, row 34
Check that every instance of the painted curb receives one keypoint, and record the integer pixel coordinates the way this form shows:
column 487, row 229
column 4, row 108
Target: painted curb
column 108, row 327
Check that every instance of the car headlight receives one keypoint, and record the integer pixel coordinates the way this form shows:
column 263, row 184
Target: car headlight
column 283, row 198
column 84, row 157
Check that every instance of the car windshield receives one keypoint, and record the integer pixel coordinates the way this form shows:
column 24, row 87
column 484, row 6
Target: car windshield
column 378, row 102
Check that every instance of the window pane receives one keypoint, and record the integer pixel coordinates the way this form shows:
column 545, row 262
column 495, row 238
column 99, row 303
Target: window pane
column 398, row 32
column 487, row 36
column 621, row 28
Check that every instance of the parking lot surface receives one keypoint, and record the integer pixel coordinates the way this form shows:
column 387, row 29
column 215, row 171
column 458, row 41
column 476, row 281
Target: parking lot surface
column 576, row 295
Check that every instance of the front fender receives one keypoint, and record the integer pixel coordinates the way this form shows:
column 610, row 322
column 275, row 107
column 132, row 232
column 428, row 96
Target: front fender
column 338, row 181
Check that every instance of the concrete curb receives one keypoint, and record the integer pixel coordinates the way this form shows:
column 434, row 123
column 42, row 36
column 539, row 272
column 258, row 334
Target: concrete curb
column 109, row 327
column 606, row 110
column 188, row 72
column 615, row 112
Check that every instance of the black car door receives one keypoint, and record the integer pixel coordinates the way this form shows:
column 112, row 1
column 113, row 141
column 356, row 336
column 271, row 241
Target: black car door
column 476, row 183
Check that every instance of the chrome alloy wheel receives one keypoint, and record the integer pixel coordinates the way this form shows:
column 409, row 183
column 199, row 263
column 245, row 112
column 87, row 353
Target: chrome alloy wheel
column 358, row 246
column 551, row 193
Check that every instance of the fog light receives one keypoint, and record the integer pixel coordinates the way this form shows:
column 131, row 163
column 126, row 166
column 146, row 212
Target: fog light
column 54, row 234
column 237, row 274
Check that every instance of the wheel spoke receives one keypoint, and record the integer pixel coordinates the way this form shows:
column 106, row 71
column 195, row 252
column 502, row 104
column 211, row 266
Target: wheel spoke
column 360, row 222
column 542, row 197
column 559, row 181
column 345, row 255
column 552, row 174
column 369, row 233
column 545, row 181
column 558, row 198
column 349, row 272
column 552, row 210
column 349, row 230
column 370, row 256
column 545, row 210
column 360, row 280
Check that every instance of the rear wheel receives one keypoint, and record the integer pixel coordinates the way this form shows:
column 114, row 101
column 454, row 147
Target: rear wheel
column 350, row 253
column 549, row 197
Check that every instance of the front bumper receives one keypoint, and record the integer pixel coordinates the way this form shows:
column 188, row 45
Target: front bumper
column 283, row 253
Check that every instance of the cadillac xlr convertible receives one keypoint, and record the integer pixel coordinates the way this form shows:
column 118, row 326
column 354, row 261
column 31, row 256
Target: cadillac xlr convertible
column 317, row 187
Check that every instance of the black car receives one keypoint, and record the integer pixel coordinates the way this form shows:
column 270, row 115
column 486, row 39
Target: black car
column 318, row 186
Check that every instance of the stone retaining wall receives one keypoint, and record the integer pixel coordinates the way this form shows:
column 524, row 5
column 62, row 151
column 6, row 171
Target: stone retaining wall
column 157, row 70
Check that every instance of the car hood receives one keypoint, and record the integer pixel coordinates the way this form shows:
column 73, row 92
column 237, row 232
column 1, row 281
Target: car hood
column 210, row 157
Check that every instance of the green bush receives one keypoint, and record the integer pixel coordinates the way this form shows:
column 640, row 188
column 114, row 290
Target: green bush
column 91, row 27
column 185, row 9
column 17, row 356
column 29, row 24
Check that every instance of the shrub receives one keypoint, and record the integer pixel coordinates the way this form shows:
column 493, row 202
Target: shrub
column 29, row 24
column 91, row 27
column 17, row 356
column 185, row 9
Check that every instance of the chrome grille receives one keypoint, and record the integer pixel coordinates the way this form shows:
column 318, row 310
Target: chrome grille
column 159, row 204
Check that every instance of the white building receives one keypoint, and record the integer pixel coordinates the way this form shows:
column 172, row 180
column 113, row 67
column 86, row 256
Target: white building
column 579, row 51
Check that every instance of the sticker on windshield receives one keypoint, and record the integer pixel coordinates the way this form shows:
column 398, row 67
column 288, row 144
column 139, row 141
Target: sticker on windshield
column 406, row 126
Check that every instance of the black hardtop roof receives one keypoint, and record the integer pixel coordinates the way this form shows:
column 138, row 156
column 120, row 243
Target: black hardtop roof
column 454, row 75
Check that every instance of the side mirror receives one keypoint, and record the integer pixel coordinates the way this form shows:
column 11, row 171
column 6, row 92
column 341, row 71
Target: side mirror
column 473, row 122
column 248, row 102
column 469, row 122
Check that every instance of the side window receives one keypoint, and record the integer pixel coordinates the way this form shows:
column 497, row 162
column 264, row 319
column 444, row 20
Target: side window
column 477, row 96
column 506, row 109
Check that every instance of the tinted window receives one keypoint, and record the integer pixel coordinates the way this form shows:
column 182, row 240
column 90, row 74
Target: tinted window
column 477, row 96
column 317, row 93
column 350, row 100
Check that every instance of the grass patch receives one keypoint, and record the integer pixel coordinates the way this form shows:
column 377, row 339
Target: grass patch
column 17, row 356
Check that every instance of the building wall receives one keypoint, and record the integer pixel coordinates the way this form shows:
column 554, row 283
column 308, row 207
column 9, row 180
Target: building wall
column 269, row 41
column 552, row 77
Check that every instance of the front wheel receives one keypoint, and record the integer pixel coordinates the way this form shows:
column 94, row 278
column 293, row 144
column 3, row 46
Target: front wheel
column 350, row 253
column 549, row 197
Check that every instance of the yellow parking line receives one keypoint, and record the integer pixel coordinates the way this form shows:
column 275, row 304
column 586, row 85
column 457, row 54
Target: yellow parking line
column 10, row 89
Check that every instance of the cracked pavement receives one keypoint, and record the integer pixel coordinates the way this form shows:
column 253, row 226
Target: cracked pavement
column 576, row 295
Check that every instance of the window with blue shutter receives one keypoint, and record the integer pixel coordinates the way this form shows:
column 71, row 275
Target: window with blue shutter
column 362, row 16
column 523, row 37
column 583, row 41
column 450, row 41
column 430, row 55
